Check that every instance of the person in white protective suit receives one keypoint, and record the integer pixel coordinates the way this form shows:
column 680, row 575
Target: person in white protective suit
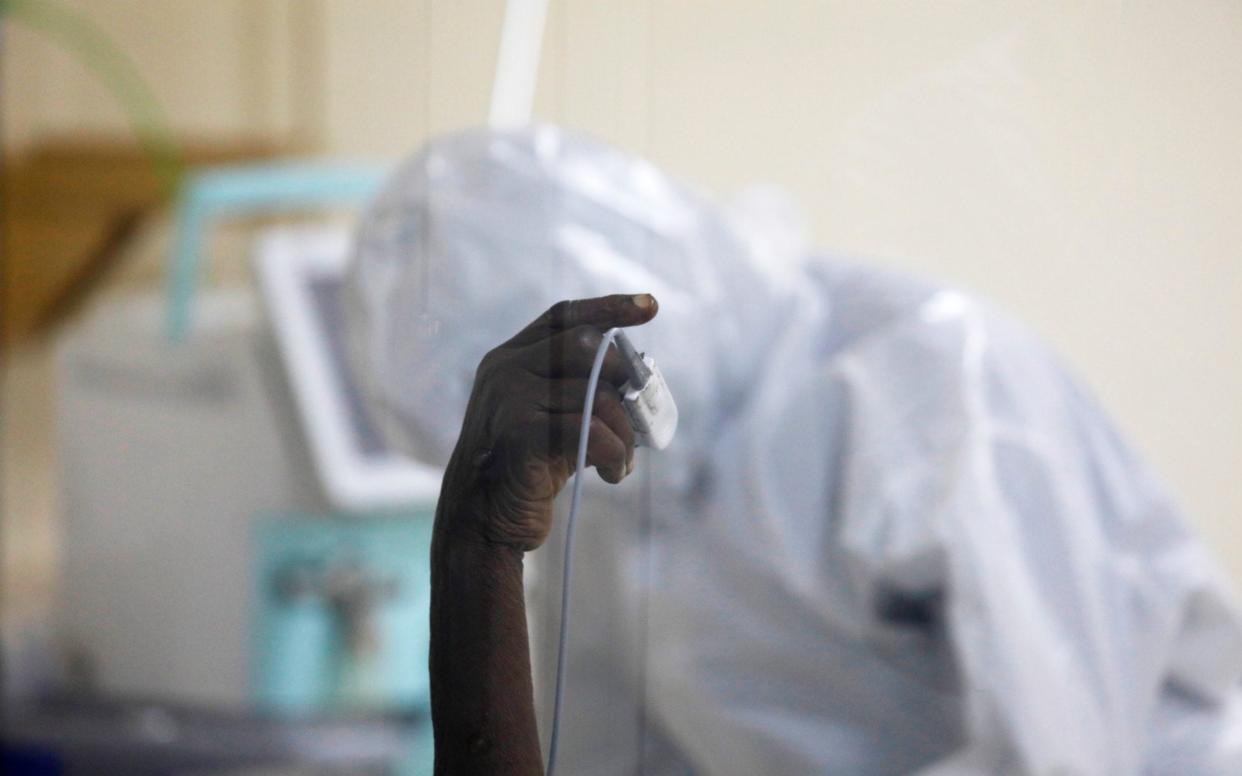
column 892, row 535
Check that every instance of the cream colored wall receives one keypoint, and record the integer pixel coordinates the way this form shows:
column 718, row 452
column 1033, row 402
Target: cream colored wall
column 1076, row 163
column 225, row 67
column 1080, row 166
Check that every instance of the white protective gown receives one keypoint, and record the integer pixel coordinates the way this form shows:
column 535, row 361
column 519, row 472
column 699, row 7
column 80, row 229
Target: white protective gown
column 893, row 535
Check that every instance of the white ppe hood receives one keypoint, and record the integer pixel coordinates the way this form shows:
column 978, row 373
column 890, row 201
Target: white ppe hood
column 891, row 536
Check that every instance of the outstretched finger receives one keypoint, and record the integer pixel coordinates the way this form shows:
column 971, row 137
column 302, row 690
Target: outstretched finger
column 603, row 312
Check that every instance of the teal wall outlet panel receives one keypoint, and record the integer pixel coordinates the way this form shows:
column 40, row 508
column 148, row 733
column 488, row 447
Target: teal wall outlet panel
column 341, row 612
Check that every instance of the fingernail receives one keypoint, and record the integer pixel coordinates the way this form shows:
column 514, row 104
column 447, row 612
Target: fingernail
column 643, row 301
column 629, row 467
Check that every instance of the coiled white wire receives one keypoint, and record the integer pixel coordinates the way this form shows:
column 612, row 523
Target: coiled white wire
column 588, row 407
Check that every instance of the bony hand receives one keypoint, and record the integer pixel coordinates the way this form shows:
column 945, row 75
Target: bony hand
column 519, row 439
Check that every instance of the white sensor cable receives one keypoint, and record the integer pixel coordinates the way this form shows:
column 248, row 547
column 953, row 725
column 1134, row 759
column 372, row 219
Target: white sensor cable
column 588, row 407
column 652, row 414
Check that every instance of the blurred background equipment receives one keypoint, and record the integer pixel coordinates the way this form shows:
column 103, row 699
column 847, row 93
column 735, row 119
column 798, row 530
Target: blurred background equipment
column 302, row 274
column 147, row 738
column 186, row 576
